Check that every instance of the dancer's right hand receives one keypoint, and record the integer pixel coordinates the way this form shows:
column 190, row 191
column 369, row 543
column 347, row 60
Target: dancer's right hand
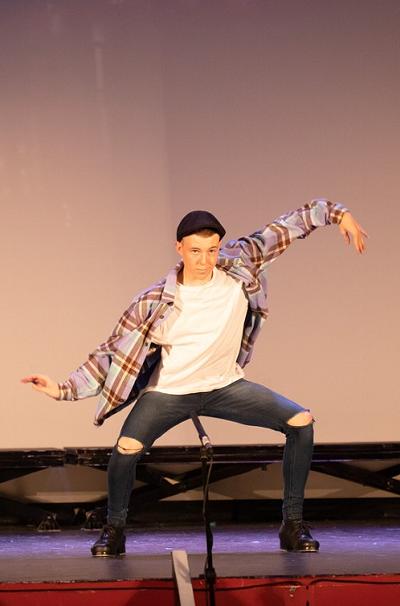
column 44, row 384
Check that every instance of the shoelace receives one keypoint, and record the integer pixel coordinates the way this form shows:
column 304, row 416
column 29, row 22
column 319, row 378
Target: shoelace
column 109, row 531
column 302, row 526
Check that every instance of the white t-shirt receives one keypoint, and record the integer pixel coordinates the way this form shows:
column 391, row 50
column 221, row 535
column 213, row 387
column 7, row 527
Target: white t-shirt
column 201, row 337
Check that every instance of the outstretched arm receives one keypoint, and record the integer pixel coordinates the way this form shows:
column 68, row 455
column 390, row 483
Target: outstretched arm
column 88, row 380
column 265, row 245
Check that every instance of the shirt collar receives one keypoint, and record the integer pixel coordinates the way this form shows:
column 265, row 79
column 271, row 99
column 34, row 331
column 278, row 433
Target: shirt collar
column 169, row 291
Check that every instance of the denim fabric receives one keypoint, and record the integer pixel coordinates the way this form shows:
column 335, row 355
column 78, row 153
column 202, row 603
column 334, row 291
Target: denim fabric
column 242, row 401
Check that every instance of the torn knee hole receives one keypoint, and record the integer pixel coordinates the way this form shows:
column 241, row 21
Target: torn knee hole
column 129, row 446
column 301, row 419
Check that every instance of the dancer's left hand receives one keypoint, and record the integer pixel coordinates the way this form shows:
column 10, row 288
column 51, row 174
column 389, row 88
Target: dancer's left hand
column 350, row 229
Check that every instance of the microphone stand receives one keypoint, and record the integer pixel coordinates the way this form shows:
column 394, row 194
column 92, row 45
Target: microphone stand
column 206, row 458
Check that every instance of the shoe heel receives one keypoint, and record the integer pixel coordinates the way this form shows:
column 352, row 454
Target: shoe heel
column 121, row 550
column 285, row 545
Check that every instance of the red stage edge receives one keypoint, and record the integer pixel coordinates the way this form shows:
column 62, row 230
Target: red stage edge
column 360, row 590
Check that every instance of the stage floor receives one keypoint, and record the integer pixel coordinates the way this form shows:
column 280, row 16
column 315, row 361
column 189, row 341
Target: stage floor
column 347, row 548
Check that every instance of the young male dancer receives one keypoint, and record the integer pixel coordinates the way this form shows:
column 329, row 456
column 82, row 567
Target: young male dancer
column 182, row 345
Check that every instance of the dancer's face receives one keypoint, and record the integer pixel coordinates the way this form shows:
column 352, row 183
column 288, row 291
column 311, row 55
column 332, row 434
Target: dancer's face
column 199, row 255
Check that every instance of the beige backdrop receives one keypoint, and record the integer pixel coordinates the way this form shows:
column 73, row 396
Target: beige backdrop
column 117, row 117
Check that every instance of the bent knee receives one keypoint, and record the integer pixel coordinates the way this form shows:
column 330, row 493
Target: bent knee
column 129, row 446
column 301, row 419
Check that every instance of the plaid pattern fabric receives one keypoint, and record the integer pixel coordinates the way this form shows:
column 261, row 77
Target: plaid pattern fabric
column 120, row 367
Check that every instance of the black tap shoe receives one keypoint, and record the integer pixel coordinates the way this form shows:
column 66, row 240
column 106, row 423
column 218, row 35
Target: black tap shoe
column 295, row 535
column 111, row 542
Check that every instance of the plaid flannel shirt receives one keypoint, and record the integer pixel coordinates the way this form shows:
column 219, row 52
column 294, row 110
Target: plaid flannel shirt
column 121, row 366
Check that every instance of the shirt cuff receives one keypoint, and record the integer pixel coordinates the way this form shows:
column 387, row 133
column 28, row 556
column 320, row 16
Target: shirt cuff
column 336, row 213
column 66, row 392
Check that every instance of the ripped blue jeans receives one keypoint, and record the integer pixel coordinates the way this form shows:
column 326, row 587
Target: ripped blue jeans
column 242, row 401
